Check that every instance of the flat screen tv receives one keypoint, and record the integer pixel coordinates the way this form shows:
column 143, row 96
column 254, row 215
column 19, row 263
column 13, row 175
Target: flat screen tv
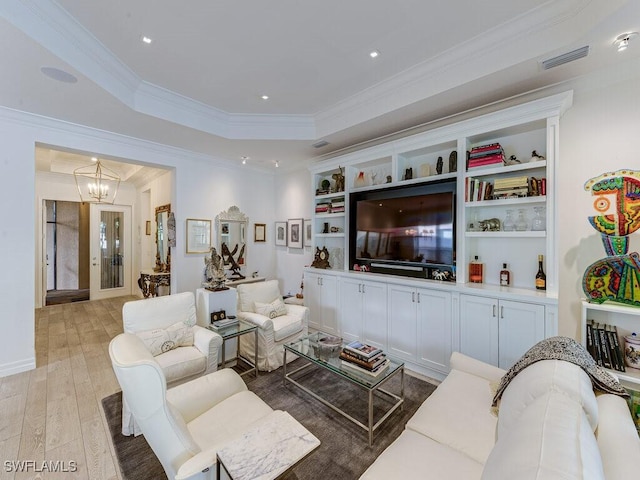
column 404, row 230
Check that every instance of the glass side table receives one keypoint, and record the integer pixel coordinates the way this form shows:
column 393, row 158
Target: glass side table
column 235, row 331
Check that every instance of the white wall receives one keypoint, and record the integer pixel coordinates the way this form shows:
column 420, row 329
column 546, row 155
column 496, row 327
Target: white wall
column 598, row 134
column 293, row 200
column 204, row 186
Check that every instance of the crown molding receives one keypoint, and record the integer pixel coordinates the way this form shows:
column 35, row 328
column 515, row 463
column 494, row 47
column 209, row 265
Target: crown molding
column 51, row 26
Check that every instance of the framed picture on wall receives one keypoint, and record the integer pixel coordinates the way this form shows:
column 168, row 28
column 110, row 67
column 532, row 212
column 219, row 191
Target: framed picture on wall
column 259, row 232
column 198, row 235
column 281, row 233
column 308, row 232
column 294, row 233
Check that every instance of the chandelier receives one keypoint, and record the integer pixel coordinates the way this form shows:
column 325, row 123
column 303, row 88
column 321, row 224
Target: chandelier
column 97, row 183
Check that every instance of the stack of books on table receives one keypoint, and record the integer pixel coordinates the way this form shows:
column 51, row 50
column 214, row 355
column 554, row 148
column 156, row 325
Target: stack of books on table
column 364, row 358
column 604, row 346
column 227, row 322
column 490, row 155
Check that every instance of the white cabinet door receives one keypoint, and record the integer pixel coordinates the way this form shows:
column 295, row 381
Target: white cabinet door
column 403, row 325
column 313, row 299
column 434, row 328
column 329, row 306
column 374, row 314
column 521, row 326
column 479, row 328
column 351, row 309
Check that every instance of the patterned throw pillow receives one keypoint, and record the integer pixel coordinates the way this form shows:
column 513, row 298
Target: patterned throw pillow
column 271, row 310
column 161, row 340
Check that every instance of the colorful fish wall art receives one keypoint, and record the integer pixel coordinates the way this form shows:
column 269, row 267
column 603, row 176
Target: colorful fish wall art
column 617, row 201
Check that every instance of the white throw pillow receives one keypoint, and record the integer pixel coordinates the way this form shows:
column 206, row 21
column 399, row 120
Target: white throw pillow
column 161, row 340
column 272, row 310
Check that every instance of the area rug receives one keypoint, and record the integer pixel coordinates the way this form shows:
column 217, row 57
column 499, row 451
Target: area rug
column 344, row 451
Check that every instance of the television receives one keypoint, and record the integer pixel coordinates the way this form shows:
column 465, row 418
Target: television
column 407, row 231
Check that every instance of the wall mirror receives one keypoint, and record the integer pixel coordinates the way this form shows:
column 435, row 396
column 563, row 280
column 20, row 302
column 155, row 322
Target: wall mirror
column 231, row 233
column 163, row 251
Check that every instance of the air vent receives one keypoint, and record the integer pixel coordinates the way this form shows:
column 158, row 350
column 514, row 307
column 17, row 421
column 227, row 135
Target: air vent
column 565, row 58
column 320, row 144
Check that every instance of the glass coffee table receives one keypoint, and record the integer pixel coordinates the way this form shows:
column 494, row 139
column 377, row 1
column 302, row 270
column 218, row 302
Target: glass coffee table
column 308, row 349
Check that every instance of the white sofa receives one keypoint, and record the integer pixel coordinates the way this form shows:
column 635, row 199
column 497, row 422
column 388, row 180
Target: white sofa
column 550, row 425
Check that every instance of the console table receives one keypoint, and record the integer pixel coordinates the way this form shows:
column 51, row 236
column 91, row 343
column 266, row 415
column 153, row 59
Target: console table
column 149, row 282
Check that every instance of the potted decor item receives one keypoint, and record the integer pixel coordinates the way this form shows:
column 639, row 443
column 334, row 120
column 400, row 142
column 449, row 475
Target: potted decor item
column 632, row 351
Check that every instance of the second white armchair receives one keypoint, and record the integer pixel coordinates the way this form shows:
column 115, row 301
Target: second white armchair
column 278, row 323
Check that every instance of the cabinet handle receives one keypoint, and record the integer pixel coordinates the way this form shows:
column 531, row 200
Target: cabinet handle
column 418, row 297
column 363, row 288
column 494, row 310
column 501, row 311
column 359, row 288
column 413, row 297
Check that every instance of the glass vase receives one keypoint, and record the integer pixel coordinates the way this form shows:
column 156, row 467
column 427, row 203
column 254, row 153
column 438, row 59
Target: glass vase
column 539, row 222
column 522, row 224
column 509, row 225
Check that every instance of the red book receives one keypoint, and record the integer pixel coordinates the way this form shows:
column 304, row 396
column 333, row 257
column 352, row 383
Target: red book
column 483, row 148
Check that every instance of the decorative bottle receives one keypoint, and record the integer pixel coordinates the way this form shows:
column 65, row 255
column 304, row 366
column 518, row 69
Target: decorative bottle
column 505, row 276
column 541, row 278
column 476, row 271
column 509, row 225
column 521, row 222
column 539, row 221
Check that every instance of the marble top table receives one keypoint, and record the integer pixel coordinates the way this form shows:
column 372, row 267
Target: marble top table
column 269, row 449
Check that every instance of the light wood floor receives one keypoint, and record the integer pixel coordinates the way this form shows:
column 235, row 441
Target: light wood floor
column 54, row 413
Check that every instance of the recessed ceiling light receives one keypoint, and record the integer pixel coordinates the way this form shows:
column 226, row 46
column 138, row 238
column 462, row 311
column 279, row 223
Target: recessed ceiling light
column 277, row 164
column 374, row 54
column 59, row 75
column 146, row 40
column 265, row 97
column 244, row 159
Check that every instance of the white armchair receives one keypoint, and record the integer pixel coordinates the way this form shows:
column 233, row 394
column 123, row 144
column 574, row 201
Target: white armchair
column 185, row 425
column 272, row 332
column 179, row 364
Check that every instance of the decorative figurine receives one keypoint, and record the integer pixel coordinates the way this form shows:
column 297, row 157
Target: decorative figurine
column 536, row 157
column 408, row 173
column 512, row 160
column 235, row 267
column 321, row 258
column 439, row 166
column 214, row 278
column 388, row 178
column 490, row 225
column 339, row 178
column 453, row 161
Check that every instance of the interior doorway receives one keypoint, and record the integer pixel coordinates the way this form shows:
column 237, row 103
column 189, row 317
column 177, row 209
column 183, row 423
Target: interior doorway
column 67, row 251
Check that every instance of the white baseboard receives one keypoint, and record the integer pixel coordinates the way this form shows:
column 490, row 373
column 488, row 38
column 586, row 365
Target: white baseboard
column 17, row 367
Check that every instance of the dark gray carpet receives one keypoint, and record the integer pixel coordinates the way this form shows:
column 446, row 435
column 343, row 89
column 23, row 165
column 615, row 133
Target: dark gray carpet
column 344, row 452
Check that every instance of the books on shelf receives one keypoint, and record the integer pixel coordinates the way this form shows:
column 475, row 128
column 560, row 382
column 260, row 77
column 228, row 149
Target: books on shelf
column 486, row 155
column 604, row 345
column 477, row 190
column 362, row 350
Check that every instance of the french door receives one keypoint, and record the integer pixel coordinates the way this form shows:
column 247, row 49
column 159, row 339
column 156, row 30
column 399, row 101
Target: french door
column 110, row 251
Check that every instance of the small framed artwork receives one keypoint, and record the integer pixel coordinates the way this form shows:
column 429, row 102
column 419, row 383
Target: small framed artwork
column 259, row 232
column 281, row 233
column 198, row 235
column 148, row 228
column 308, row 231
column 294, row 233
